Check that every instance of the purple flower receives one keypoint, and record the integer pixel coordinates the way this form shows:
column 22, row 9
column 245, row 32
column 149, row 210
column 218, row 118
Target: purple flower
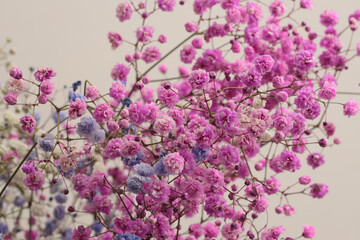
column 198, row 79
column 120, row 72
column 304, row 60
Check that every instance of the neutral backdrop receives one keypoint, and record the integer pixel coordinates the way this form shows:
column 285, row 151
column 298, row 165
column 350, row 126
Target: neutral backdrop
column 71, row 37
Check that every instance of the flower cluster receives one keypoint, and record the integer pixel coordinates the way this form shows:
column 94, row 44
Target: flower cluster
column 211, row 143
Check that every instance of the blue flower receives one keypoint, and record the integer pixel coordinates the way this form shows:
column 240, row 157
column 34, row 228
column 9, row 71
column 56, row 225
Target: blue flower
column 131, row 160
column 62, row 116
column 134, row 185
column 67, row 234
column 97, row 227
column 3, row 228
column 37, row 117
column 59, row 212
column 126, row 102
column 127, row 237
column 130, row 129
column 97, row 136
column 144, row 171
column 160, row 168
column 200, row 154
column 87, row 127
column 75, row 85
column 46, row 143
column 74, row 95
column 19, row 201
column 50, row 227
column 61, row 198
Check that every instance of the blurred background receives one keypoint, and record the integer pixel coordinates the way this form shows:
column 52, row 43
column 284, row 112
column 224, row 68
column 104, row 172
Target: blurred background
column 71, row 37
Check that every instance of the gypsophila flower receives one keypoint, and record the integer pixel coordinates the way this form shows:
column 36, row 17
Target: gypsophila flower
column 46, row 143
column 134, row 185
column 28, row 124
column 44, row 74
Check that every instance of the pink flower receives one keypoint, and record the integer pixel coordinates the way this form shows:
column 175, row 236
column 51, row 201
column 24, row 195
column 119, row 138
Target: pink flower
column 115, row 39
column 198, row 79
column 167, row 5
column 318, row 190
column 81, row 233
column 151, row 54
column 113, row 149
column 103, row 204
column 44, row 74
column 103, row 113
column 164, row 125
column 351, row 108
column 174, row 163
column 28, row 124
column 120, row 72
column 92, row 93
column 47, row 87
column 144, row 33
column 124, row 11
column 11, row 98
column 77, row 108
column 15, row 73
column 329, row 18
column 306, row 4
column 34, row 180
column 308, row 231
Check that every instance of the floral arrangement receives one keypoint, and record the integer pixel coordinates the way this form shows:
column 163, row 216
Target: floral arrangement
column 208, row 146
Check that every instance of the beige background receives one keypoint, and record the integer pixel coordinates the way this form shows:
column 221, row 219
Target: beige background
column 71, row 37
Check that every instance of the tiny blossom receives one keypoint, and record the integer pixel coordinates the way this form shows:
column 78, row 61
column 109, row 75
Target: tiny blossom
column 81, row 233
column 103, row 113
column 174, row 163
column 144, row 33
column 113, row 149
column 226, row 119
column 46, row 143
column 163, row 68
column 87, row 127
column 315, row 160
column 120, row 72
column 351, row 108
column 264, row 63
column 306, row 4
column 187, row 54
column 43, row 98
column 124, row 11
column 151, row 54
column 164, row 125
column 304, row 60
column 16, row 73
column 251, row 78
column 103, row 204
column 162, row 38
column 329, row 18
column 318, row 190
column 197, row 43
column 168, row 96
column 166, row 5
column 115, row 39
column 11, row 98
column 308, row 231
column 77, row 108
column 47, row 87
column 44, row 74
column 277, row 8
column 34, row 180
column 28, row 124
column 261, row 204
column 144, row 171
column 198, row 79
column 191, row 27
column 92, row 93
column 134, row 185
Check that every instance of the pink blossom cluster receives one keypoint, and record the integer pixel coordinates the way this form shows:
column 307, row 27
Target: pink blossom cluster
column 211, row 143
